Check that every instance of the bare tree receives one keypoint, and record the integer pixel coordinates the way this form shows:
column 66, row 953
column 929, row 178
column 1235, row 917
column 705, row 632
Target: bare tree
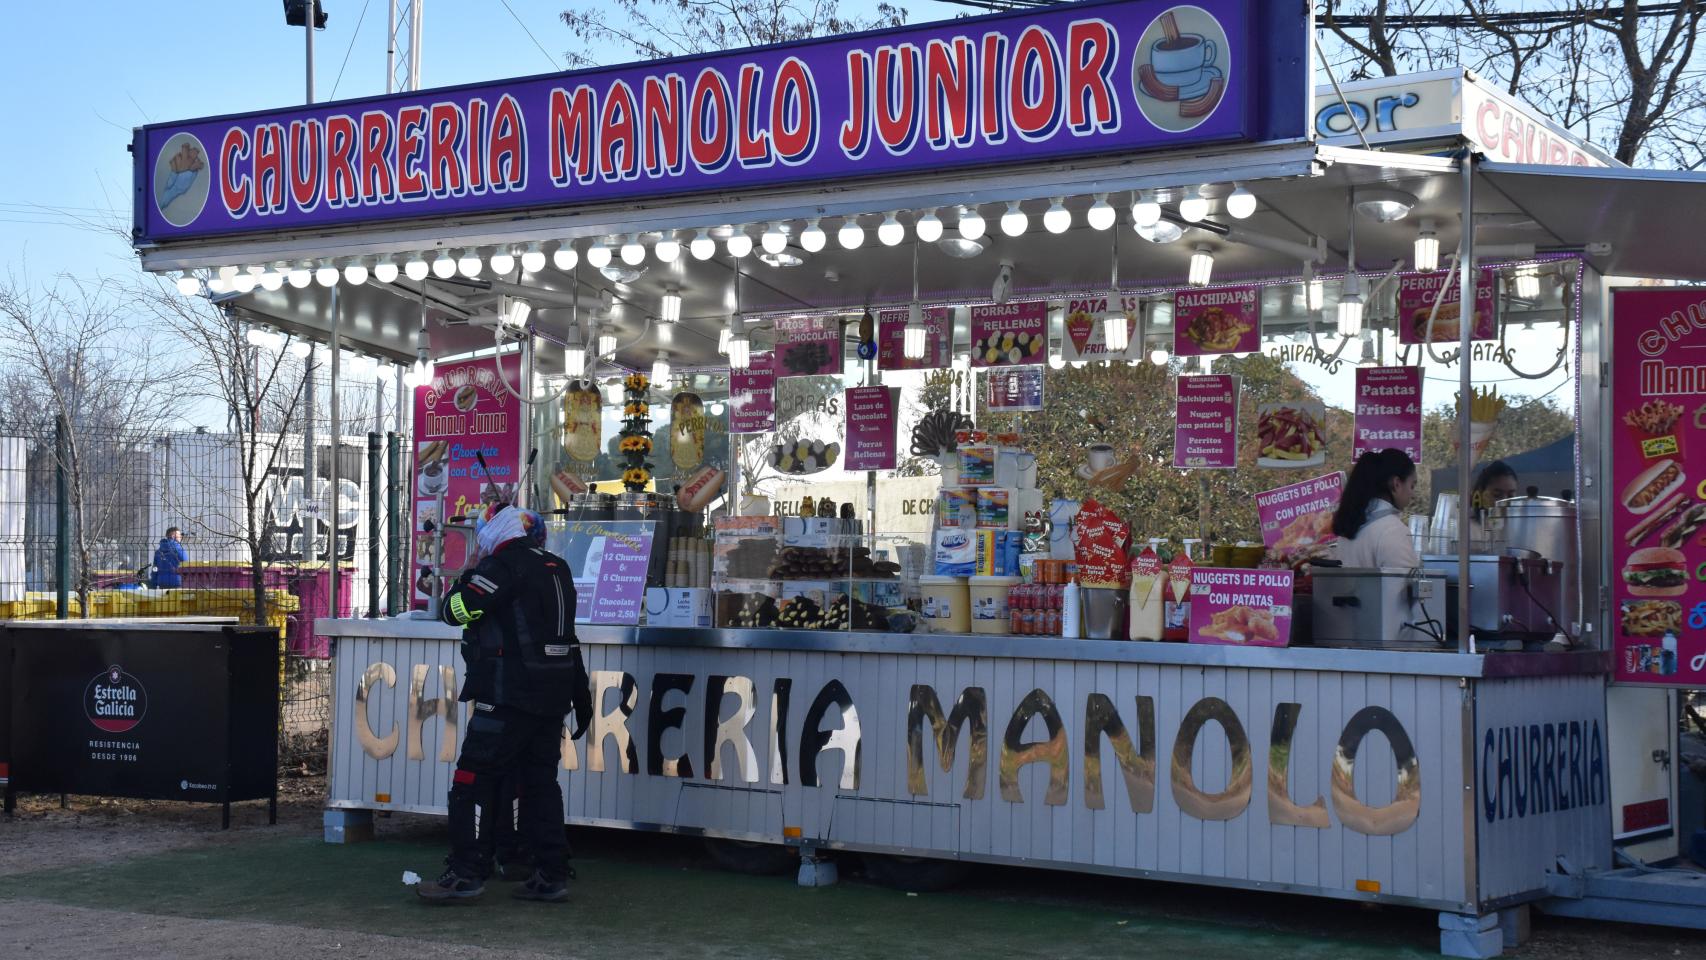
column 70, row 356
column 652, row 29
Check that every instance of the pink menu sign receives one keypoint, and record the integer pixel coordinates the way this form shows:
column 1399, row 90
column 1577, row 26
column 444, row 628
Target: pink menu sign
column 1009, row 334
column 1205, row 435
column 1248, row 608
column 1416, row 296
column 891, row 340
column 752, row 396
column 464, row 415
column 1298, row 516
column 808, row 346
column 1219, row 320
column 871, row 428
column 1388, row 411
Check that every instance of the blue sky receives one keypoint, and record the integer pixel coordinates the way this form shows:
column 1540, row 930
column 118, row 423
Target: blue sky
column 82, row 75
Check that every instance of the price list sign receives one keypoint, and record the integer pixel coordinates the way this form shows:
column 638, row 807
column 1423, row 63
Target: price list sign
column 1388, row 411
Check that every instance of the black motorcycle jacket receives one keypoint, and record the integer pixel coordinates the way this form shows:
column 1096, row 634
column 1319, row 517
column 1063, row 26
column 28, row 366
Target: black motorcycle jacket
column 517, row 608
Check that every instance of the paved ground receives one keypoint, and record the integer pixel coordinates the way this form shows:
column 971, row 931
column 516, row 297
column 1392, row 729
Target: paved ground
column 162, row 880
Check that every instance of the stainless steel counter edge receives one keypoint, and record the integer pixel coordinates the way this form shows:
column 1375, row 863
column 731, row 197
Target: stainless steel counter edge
column 1411, row 663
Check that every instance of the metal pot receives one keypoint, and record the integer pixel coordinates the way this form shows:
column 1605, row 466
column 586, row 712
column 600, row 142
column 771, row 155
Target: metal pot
column 1545, row 525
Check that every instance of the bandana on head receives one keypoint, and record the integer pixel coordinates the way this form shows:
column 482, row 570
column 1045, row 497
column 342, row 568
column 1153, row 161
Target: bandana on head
column 503, row 524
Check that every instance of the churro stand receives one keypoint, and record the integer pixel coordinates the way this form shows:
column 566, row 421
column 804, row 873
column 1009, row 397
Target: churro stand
column 911, row 232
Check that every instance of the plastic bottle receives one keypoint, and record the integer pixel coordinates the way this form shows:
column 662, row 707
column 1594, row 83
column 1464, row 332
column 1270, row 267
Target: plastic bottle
column 1070, row 626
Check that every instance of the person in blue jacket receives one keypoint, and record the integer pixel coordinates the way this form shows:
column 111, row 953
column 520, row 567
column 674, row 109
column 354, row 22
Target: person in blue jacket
column 167, row 557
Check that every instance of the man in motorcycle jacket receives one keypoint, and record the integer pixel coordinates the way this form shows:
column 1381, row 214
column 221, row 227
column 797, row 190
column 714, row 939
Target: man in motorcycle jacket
column 524, row 672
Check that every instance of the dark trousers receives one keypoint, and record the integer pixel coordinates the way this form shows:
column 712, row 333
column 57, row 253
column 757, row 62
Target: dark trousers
column 505, row 743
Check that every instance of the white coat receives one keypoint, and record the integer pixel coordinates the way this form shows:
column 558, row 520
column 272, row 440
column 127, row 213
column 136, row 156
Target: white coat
column 1383, row 541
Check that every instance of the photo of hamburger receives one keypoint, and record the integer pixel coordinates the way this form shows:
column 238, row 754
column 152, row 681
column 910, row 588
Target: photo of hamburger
column 1653, row 486
column 1656, row 572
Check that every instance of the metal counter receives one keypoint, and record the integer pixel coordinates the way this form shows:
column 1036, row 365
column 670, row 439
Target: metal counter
column 1432, row 779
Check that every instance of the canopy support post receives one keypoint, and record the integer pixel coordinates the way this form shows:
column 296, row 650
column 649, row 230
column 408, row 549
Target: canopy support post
column 1466, row 279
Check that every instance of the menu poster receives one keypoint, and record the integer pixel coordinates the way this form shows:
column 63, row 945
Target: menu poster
column 1299, row 516
column 1658, row 460
column 1085, row 329
column 808, row 346
column 1009, row 334
column 1205, row 436
column 752, row 396
column 1388, row 411
column 891, row 340
column 464, row 414
column 1019, row 390
column 1221, row 320
column 1417, row 293
column 608, row 560
column 1247, row 608
column 871, row 428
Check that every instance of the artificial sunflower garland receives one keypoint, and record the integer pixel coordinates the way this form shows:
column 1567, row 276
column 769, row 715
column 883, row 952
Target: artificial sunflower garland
column 636, row 434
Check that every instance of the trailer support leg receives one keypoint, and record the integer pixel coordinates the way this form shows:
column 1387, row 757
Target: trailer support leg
column 815, row 870
column 348, row 826
column 1468, row 935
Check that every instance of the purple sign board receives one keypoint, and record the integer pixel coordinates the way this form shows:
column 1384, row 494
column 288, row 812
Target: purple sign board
column 1388, row 411
column 1205, row 434
column 1019, row 87
column 752, row 396
column 609, row 561
column 807, row 346
column 891, row 340
column 871, row 428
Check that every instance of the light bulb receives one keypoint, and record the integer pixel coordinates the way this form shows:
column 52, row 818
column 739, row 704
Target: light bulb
column 188, row 285
column 668, row 249
column 774, row 240
column 1014, row 221
column 929, row 227
column 723, row 336
column 422, row 370
column 574, row 360
column 416, row 269
column 218, row 284
column 326, row 276
column 740, row 347
column 1527, row 283
column 227, row 273
column 1194, row 207
column 272, row 279
column 565, row 257
column 851, row 236
column 598, row 255
column 1427, row 248
column 670, row 306
column 444, row 266
column 355, row 274
column 607, row 344
column 503, row 262
column 812, row 239
column 1115, row 333
column 1145, row 211
column 244, row 282
column 385, row 271
column 702, row 247
column 1350, row 306
column 299, row 278
column 1058, row 219
column 1158, row 356
column 633, row 252
column 469, row 264
column 614, row 391
column 532, row 259
column 258, row 337
column 891, row 232
column 739, row 243
column 1056, row 362
column 971, row 223
column 1101, row 215
column 1202, row 266
column 1241, row 203
column 660, row 370
column 914, row 337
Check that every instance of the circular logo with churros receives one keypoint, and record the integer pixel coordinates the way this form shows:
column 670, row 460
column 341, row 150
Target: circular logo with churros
column 1181, row 68
column 181, row 178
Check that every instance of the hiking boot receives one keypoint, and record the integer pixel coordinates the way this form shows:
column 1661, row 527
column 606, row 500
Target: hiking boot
column 517, row 872
column 537, row 887
column 450, row 887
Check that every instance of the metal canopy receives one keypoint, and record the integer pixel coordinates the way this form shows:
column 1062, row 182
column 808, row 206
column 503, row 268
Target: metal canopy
column 1644, row 215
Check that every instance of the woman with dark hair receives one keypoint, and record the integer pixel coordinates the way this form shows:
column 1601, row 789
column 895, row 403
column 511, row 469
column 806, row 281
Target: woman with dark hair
column 1495, row 482
column 1369, row 521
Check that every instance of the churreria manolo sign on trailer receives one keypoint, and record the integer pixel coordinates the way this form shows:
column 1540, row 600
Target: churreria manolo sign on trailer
column 1094, row 78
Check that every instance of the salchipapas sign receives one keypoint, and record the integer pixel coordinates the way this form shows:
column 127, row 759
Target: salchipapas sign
column 1015, row 87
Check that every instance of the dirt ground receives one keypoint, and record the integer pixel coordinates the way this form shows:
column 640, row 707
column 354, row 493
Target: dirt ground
column 161, row 879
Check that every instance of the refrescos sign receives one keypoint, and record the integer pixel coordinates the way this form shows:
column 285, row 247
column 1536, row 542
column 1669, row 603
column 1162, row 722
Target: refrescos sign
column 1095, row 78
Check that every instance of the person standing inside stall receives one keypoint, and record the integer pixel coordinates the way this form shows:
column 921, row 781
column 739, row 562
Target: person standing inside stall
column 1369, row 521
column 524, row 673
column 1496, row 481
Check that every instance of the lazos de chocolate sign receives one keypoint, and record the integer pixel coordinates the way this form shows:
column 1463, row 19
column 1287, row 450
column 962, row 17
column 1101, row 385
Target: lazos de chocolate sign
column 1033, row 85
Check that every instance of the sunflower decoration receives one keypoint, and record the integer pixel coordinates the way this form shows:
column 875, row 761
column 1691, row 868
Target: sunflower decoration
column 636, row 434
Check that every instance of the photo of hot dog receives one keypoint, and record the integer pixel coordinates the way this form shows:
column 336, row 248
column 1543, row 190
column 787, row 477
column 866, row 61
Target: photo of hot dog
column 1652, row 486
column 701, row 487
column 1668, row 511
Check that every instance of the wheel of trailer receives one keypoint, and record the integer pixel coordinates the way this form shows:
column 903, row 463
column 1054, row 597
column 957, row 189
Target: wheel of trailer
column 915, row 874
column 745, row 856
